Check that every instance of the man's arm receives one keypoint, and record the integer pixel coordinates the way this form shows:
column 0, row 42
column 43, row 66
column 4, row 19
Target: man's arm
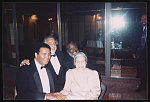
column 22, row 86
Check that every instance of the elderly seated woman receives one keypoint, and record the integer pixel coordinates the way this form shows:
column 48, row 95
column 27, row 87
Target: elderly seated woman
column 81, row 83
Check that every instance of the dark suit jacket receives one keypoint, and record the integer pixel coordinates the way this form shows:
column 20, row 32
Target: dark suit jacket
column 59, row 80
column 137, row 33
column 140, row 53
column 28, row 83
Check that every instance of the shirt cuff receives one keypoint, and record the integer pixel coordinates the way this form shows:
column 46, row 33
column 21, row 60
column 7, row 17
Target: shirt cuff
column 45, row 97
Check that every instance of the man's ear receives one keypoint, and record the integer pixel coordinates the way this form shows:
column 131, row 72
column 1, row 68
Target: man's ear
column 74, row 63
column 35, row 55
column 86, row 63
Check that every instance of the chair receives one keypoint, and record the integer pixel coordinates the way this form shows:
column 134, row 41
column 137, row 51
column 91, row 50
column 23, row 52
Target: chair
column 103, row 91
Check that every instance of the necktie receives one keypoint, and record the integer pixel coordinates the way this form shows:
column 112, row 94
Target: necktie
column 53, row 55
column 143, row 38
column 43, row 67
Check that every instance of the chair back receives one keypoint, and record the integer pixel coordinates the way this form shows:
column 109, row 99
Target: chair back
column 15, row 93
column 103, row 91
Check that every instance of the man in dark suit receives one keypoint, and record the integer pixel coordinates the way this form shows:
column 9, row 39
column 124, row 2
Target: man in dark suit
column 35, row 81
column 56, row 64
column 72, row 49
column 140, row 53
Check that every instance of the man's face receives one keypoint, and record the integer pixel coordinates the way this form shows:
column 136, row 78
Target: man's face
column 52, row 43
column 144, row 19
column 72, row 49
column 80, row 62
column 43, row 56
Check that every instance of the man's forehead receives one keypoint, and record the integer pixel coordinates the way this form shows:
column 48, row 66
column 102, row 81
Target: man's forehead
column 50, row 39
column 44, row 49
column 72, row 45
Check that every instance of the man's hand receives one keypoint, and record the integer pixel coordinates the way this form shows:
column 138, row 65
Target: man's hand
column 50, row 96
column 25, row 62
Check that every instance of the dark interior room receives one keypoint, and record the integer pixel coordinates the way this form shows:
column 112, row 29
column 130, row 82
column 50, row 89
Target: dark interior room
column 108, row 32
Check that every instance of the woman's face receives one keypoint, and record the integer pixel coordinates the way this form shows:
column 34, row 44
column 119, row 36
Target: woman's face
column 80, row 62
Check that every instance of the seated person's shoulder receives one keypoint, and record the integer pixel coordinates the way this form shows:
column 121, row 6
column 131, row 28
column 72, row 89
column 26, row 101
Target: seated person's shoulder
column 65, row 54
column 92, row 71
column 70, row 70
column 68, row 57
column 59, row 52
column 23, row 70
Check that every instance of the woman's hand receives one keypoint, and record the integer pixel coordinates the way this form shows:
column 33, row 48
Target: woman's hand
column 60, row 97
column 25, row 62
column 56, row 96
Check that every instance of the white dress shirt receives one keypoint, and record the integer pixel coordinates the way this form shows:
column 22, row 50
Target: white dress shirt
column 44, row 77
column 145, row 29
column 55, row 63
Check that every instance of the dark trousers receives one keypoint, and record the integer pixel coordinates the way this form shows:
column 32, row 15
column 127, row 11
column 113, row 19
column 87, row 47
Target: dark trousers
column 142, row 71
